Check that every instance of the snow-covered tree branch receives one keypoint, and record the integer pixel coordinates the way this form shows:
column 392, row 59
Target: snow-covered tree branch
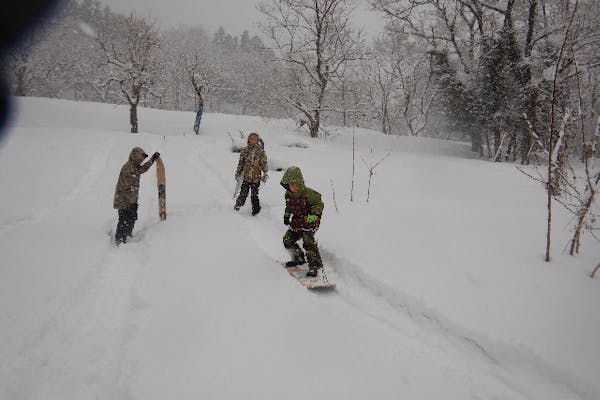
column 315, row 40
column 131, row 57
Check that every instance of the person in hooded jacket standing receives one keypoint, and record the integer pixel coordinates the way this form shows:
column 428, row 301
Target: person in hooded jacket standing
column 127, row 191
column 252, row 164
column 303, row 210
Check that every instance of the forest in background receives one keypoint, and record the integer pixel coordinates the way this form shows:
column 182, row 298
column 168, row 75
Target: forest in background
column 507, row 75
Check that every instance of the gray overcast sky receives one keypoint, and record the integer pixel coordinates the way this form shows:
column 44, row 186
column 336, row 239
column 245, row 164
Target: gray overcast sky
column 234, row 15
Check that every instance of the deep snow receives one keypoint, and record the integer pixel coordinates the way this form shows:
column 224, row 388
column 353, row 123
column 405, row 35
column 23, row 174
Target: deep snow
column 442, row 291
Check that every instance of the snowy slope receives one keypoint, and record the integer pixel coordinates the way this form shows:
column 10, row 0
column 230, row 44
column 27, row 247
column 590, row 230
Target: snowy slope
column 442, row 291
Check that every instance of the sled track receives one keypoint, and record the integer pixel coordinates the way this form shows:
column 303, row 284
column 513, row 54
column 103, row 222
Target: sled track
column 212, row 178
column 373, row 297
column 93, row 323
column 360, row 284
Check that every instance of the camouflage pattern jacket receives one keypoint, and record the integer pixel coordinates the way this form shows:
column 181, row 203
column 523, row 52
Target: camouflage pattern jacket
column 128, row 185
column 298, row 205
column 253, row 162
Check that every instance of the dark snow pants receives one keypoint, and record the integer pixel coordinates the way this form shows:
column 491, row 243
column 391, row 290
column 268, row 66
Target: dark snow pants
column 253, row 189
column 126, row 223
column 308, row 242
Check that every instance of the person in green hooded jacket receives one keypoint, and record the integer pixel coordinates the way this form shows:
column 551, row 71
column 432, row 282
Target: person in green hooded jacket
column 303, row 210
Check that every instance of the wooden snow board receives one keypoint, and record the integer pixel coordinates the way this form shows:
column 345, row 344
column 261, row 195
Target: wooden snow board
column 317, row 282
column 161, row 183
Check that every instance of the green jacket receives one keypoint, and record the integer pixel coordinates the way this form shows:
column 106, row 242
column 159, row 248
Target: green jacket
column 128, row 185
column 301, row 203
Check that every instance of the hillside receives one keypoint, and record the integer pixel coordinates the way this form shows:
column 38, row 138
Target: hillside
column 442, row 291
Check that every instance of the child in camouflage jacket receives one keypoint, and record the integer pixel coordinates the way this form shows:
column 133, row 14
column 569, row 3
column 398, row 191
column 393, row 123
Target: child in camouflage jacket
column 252, row 164
column 127, row 191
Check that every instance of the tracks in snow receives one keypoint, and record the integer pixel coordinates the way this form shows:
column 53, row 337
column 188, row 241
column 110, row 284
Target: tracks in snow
column 77, row 352
column 401, row 312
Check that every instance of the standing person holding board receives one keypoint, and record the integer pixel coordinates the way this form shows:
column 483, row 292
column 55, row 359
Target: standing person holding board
column 127, row 192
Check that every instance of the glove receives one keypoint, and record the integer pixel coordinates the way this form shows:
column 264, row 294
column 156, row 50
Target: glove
column 238, row 177
column 311, row 218
column 265, row 177
column 155, row 156
column 286, row 219
column 312, row 223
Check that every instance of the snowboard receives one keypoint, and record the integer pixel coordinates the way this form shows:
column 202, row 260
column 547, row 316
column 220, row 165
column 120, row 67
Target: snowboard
column 318, row 282
column 162, row 189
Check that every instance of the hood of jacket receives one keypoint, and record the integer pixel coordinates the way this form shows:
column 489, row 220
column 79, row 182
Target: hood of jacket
column 259, row 141
column 135, row 153
column 292, row 175
column 251, row 135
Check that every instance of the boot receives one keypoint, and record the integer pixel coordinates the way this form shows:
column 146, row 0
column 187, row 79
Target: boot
column 255, row 205
column 296, row 261
column 312, row 271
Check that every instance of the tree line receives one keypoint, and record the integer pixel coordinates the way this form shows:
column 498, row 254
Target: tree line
column 480, row 70
column 88, row 52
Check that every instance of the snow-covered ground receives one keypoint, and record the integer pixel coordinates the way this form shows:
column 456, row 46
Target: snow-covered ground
column 442, row 291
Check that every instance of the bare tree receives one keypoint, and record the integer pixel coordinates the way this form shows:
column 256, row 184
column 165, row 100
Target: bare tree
column 573, row 187
column 417, row 98
column 593, row 274
column 314, row 39
column 557, row 137
column 20, row 66
column 371, row 165
column 179, row 48
column 413, row 74
column 348, row 98
column 205, row 79
column 582, row 200
column 132, row 60
column 380, row 90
